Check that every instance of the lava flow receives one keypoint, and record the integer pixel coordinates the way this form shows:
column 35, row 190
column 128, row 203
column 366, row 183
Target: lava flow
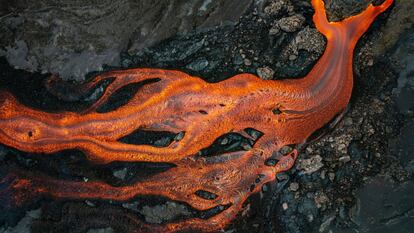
column 270, row 115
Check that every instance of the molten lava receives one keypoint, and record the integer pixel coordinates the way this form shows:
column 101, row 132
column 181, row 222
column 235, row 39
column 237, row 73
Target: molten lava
column 281, row 113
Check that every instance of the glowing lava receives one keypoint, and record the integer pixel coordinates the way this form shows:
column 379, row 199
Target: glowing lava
column 286, row 112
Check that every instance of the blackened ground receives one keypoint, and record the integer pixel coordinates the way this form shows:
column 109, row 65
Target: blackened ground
column 359, row 178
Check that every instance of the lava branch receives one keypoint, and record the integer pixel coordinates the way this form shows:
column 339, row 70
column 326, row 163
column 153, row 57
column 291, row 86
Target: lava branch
column 286, row 112
column 176, row 103
column 223, row 179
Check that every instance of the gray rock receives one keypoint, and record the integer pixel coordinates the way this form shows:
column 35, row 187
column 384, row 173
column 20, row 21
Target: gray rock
column 237, row 60
column 285, row 206
column 120, row 174
column 331, row 176
column 288, row 24
column 247, row 62
column 90, row 203
column 301, row 53
column 311, row 165
column 131, row 206
column 325, row 224
column 384, row 206
column 310, row 40
column 398, row 24
column 345, row 159
column 276, row 7
column 348, row 121
column 294, row 186
column 24, row 225
column 101, row 230
column 404, row 91
column 292, row 57
column 165, row 212
column 18, row 54
column 341, row 147
column 198, row 64
column 321, row 199
column 265, row 73
column 340, row 9
column 77, row 37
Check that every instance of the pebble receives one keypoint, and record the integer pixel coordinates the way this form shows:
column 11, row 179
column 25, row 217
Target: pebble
column 265, row 188
column 36, row 214
column 276, row 7
column 321, row 200
column 348, row 121
column 101, row 230
column 371, row 130
column 265, row 73
column 291, row 23
column 131, row 206
column 388, row 129
column 247, row 62
column 323, row 174
column 285, row 206
column 325, row 224
column 311, row 165
column 310, row 218
column 341, row 147
column 224, row 141
column 331, row 176
column 120, row 174
column 345, row 159
column 310, row 40
column 238, row 60
column 274, row 31
column 89, row 203
column 294, row 186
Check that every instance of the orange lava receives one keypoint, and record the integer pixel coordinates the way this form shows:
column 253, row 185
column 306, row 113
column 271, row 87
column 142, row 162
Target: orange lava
column 287, row 112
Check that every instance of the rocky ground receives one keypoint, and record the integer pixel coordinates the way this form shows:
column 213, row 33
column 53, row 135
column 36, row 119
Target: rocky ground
column 358, row 178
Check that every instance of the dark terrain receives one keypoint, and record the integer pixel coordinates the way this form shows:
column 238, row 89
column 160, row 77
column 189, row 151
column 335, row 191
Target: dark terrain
column 358, row 178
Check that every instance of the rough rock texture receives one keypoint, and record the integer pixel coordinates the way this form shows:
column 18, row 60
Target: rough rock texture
column 24, row 225
column 340, row 9
column 330, row 189
column 101, row 230
column 77, row 37
column 165, row 212
column 366, row 182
